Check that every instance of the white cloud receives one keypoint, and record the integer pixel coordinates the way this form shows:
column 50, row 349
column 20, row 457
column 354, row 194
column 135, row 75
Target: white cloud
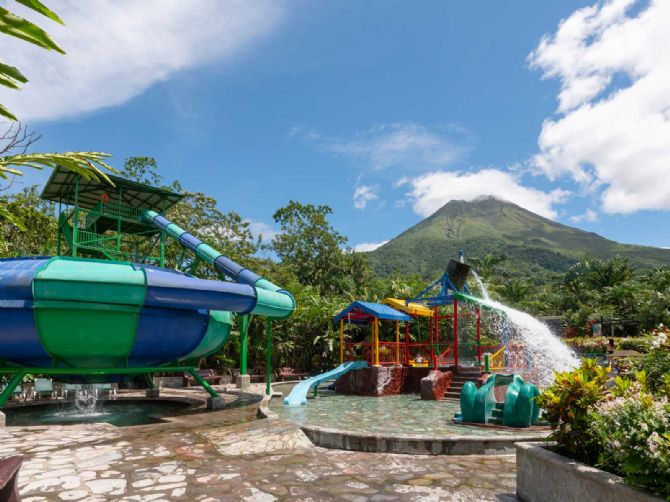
column 432, row 190
column 406, row 145
column 590, row 216
column 611, row 135
column 364, row 247
column 117, row 49
column 364, row 194
column 263, row 230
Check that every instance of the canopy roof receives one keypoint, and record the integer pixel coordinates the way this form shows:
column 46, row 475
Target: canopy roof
column 413, row 309
column 363, row 312
column 62, row 185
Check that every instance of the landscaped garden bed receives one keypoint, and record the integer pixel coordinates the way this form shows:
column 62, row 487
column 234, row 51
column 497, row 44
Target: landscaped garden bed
column 612, row 436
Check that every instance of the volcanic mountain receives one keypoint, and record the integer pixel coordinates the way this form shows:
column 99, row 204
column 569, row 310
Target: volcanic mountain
column 531, row 243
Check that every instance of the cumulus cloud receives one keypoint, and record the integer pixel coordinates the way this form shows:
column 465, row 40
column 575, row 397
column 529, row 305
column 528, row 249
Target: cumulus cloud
column 364, row 194
column 262, row 230
column 116, row 50
column 432, row 190
column 364, row 247
column 611, row 133
column 590, row 216
column 402, row 144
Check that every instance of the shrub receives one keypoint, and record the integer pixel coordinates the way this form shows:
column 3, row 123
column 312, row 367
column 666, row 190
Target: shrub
column 567, row 404
column 639, row 343
column 656, row 365
column 632, row 433
column 587, row 344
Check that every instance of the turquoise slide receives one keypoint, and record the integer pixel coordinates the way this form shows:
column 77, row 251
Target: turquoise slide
column 298, row 395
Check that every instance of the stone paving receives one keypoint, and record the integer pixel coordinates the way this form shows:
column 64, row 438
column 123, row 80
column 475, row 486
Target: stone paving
column 228, row 455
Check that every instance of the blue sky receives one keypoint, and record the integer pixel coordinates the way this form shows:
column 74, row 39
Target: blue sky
column 382, row 110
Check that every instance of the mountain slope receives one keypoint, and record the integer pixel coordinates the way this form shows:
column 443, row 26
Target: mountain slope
column 532, row 243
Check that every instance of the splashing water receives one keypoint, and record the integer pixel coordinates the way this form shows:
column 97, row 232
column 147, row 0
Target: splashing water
column 83, row 406
column 481, row 285
column 545, row 352
column 85, row 398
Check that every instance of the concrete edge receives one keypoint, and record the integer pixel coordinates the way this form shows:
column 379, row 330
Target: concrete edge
column 608, row 481
column 264, row 406
column 415, row 445
column 410, row 445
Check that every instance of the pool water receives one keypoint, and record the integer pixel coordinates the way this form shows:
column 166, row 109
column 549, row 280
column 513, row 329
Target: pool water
column 404, row 415
column 121, row 413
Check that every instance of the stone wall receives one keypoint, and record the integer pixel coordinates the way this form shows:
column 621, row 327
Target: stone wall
column 381, row 381
column 545, row 476
column 435, row 385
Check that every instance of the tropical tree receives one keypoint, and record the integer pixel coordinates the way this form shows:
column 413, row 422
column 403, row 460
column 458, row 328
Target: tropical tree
column 310, row 246
column 35, row 231
column 487, row 265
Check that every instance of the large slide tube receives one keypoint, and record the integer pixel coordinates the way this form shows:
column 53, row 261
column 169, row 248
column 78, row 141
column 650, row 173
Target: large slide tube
column 271, row 300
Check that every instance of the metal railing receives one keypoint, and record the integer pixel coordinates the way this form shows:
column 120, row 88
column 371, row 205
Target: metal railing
column 116, row 210
column 414, row 354
column 497, row 360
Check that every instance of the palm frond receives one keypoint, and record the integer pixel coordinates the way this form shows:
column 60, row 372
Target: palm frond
column 89, row 165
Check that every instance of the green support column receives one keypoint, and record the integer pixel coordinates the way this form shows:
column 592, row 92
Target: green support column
column 268, row 356
column 204, row 384
column 245, row 321
column 75, row 220
column 162, row 256
column 6, row 394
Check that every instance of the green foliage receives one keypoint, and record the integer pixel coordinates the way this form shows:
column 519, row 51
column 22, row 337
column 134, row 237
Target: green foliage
column 587, row 344
column 33, row 231
column 90, row 165
column 656, row 365
column 18, row 27
column 567, row 405
column 638, row 343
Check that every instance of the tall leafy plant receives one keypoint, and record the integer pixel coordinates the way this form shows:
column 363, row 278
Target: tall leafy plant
column 568, row 403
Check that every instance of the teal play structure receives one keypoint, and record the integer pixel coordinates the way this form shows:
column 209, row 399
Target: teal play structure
column 299, row 393
column 502, row 400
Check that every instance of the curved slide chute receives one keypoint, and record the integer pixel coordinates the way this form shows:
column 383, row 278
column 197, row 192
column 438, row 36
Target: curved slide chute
column 271, row 300
column 298, row 395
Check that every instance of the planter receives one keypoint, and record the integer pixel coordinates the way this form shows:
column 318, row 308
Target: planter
column 545, row 476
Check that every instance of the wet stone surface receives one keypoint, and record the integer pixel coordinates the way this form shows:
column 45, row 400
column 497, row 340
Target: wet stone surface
column 228, row 455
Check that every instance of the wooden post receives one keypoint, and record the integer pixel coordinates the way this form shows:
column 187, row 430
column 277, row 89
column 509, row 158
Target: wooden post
column 397, row 342
column 407, row 342
column 456, row 332
column 376, row 325
column 341, row 341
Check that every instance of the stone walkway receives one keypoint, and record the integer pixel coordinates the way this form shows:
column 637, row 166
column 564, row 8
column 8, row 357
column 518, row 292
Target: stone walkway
column 227, row 455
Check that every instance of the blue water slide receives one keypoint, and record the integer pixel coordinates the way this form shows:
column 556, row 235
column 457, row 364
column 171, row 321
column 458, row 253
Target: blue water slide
column 298, row 395
column 271, row 300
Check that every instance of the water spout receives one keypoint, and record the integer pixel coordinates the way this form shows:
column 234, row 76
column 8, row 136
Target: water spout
column 480, row 284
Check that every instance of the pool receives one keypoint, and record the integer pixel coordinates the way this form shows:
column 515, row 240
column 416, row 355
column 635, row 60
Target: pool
column 120, row 413
column 402, row 415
